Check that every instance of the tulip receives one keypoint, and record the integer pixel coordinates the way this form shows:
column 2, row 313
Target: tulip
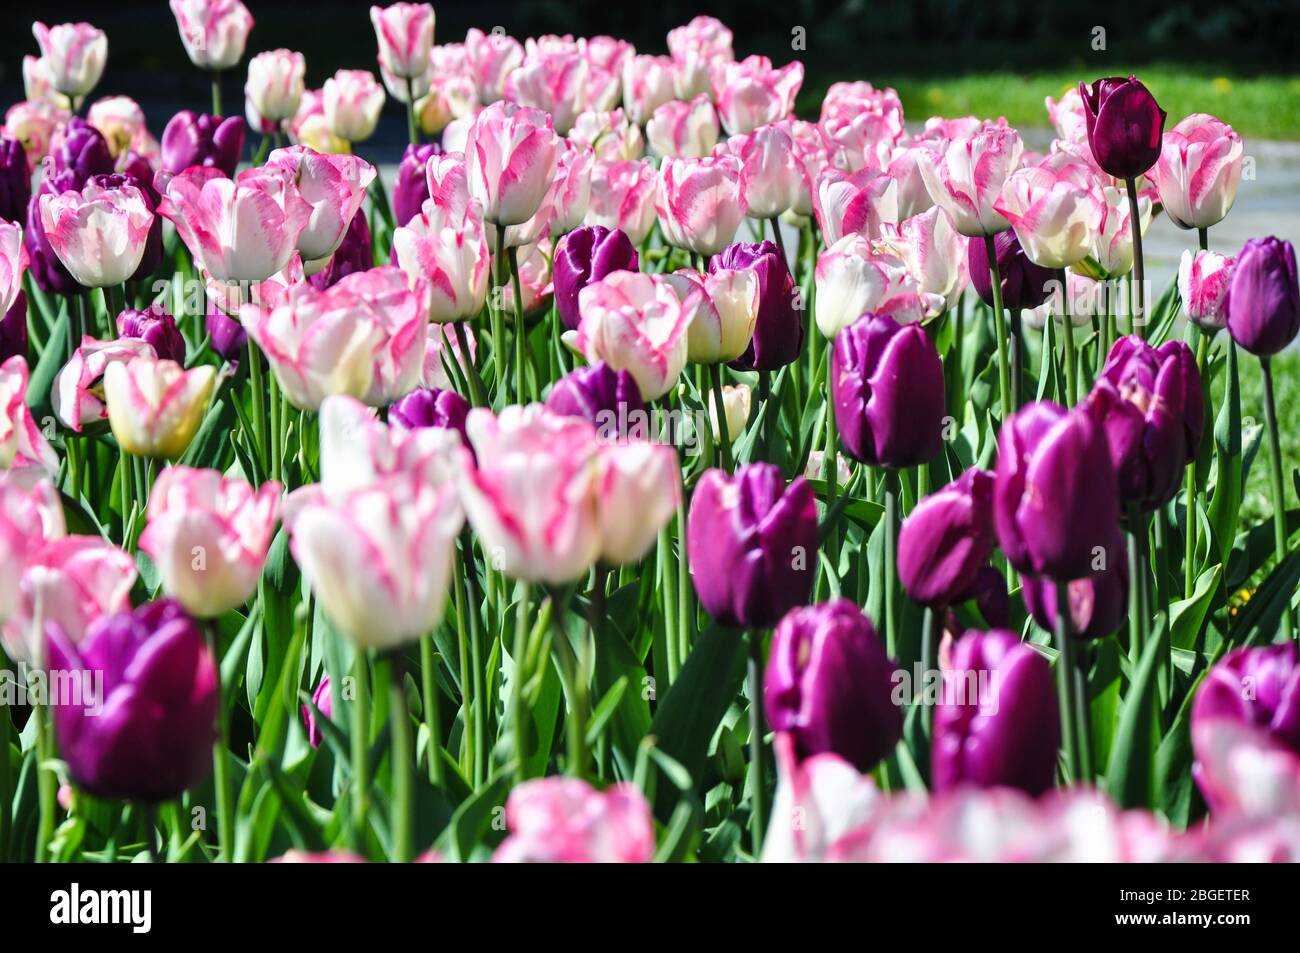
column 75, row 54
column 607, row 399
column 723, row 312
column 67, row 583
column 564, row 84
column 1112, row 241
column 1054, row 217
column 1263, row 299
column 352, row 103
column 752, row 543
column 610, row 135
column 354, row 254
column 887, row 384
column 275, row 83
column 443, row 337
column 1257, row 688
column 935, row 256
column 684, row 129
column 334, row 186
column 1098, row 603
column 214, row 32
column 47, row 270
column 565, row 821
column 573, row 187
column 857, row 204
column 1203, row 280
column 143, row 725
column 511, row 157
column 237, row 231
column 15, row 181
column 491, row 57
column 121, row 121
column 1055, row 499
column 33, row 124
column 534, row 265
column 770, row 178
column 699, row 203
column 778, row 331
column 751, row 93
column 1198, row 171
column 29, row 518
column 853, row 279
column 25, row 455
column 637, row 323
column 1024, row 284
column 638, row 488
column 529, row 494
column 82, row 151
column 647, row 85
column 695, row 48
column 904, row 167
column 446, row 260
column 192, row 139
column 13, row 262
column 151, row 259
column 77, row 394
column 155, row 406
column 1067, row 116
column 429, row 407
column 623, row 197
column 947, row 539
column 585, row 255
column 736, row 402
column 829, row 685
column 226, row 335
column 98, row 233
column 1125, row 125
column 405, row 34
column 323, row 700
column 411, row 189
column 966, row 178
column 1008, row 734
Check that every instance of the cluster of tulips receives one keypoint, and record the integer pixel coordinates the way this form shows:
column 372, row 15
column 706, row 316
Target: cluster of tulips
column 687, row 478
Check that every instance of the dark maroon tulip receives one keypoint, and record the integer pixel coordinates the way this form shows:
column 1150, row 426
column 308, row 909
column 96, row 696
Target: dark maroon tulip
column 1126, row 125
column 946, row 539
column 356, row 253
column 1263, row 300
column 153, row 246
column 199, row 139
column 607, row 399
column 15, row 181
column 431, row 407
column 584, row 255
column 996, row 724
column 778, row 333
column 1055, row 497
column 155, row 326
column 1098, row 603
column 752, row 544
column 13, row 329
column 1259, row 687
column 83, row 152
column 991, row 597
column 1188, row 380
column 411, row 190
column 146, row 733
column 226, row 334
column 1025, row 285
column 46, row 269
column 1140, row 399
column 830, row 685
column 323, row 699
column 887, row 383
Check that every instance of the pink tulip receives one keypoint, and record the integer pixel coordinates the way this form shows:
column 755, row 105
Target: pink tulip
column 564, row 84
column 442, row 341
column 638, row 487
column 967, row 178
column 859, row 95
column 699, row 203
column 208, row 536
column 1055, row 218
column 446, row 260
column 722, row 308
column 510, row 158
column 610, row 135
column 854, row 204
column 13, row 262
column 121, row 121
column 1198, row 171
column 861, row 127
column 607, row 52
column 25, row 455
column 635, row 322
column 1112, row 240
column 573, row 187
column 696, row 48
column 363, row 337
column 679, row 129
column 854, row 279
column 903, row 165
column 623, row 196
column 358, row 452
column 1203, row 280
column 29, row 518
column 770, row 178
column 33, row 124
column 77, row 397
column 647, row 85
column 491, row 58
column 565, row 821
column 752, row 93
column 214, row 31
column 98, row 233
column 352, row 102
column 811, row 160
column 334, row 186
column 75, row 54
column 241, row 230
column 1242, row 770
column 405, row 35
column 275, row 84
column 1067, row 116
column 155, row 406
column 935, row 255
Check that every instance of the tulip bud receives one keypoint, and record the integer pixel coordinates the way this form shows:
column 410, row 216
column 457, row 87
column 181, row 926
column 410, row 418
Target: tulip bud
column 15, row 181
column 98, row 233
column 1258, row 688
column 275, row 84
column 735, row 407
column 997, row 723
column 1263, row 302
column 1098, row 602
column 405, row 34
column 323, row 699
column 637, row 323
column 778, row 332
column 352, row 101
column 199, row 139
column 490, row 58
column 1025, row 285
column 585, row 255
column 947, row 539
column 411, row 190
column 1203, row 279
column 511, row 156
column 887, row 384
column 75, row 54
column 700, row 203
column 155, row 407
column 830, row 685
column 426, row 407
column 1125, row 125
column 214, row 33
column 1198, row 171
column 752, row 544
column 607, row 399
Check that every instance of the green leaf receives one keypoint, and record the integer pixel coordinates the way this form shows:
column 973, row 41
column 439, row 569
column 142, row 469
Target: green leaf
column 1230, row 472
column 42, row 376
column 1188, row 614
column 1130, row 775
column 472, row 820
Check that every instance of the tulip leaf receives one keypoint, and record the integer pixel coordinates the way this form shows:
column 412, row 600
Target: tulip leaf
column 473, row 819
column 1186, row 615
column 1229, row 464
column 42, row 375
column 1258, row 621
column 1130, row 775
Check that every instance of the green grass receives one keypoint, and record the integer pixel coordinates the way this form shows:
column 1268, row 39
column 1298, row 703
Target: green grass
column 1257, row 505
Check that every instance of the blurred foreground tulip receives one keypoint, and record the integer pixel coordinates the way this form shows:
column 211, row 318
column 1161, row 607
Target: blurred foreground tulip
column 75, row 54
column 566, row 821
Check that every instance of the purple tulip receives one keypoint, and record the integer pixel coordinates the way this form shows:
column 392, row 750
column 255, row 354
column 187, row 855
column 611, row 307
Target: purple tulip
column 356, row 253
column 830, row 685
column 1098, row 603
column 146, row 733
column 1055, row 497
column 46, row 269
column 947, row 539
column 1025, row 285
column 153, row 245
column 887, row 382
column 607, row 399
column 199, row 139
column 411, row 190
column 778, row 334
column 996, row 724
column 226, row 334
column 989, row 590
column 15, row 181
column 431, row 407
column 323, row 699
column 13, row 329
column 752, row 544
column 156, row 327
column 584, row 255
column 1263, row 300
column 1259, row 687
column 83, row 152
column 1141, row 398
column 1125, row 125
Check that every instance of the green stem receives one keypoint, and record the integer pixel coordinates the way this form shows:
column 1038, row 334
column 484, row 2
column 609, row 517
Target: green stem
column 477, row 392
column 411, row 128
column 1083, row 716
column 476, row 658
column 6, row 779
column 401, row 757
column 758, row 813
column 497, row 318
column 1067, row 334
column 1203, row 236
column 220, row 760
column 720, row 409
column 360, row 737
column 46, row 783
column 1135, row 223
column 258, row 388
column 1065, row 679
column 931, row 633
column 1276, row 485
column 1135, row 625
column 429, row 701
column 668, row 586
column 891, row 558
column 776, row 236
column 275, row 469
column 151, row 833
column 216, row 93
column 521, row 329
column 999, row 327
column 518, row 712
column 1191, row 489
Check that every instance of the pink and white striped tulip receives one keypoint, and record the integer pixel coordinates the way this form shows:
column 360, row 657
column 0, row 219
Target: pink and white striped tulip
column 647, row 85
column 13, row 262
column 696, row 48
column 1112, row 241
column 510, row 159
column 1067, row 116
column 334, row 186
column 121, row 121
column 99, row 234
column 611, row 135
column 564, row 84
column 1055, row 218
column 858, row 135
column 566, row 821
column 29, row 518
column 573, row 187
column 237, row 230
column 447, row 180
column 684, row 129
column 966, row 179
column 1203, row 279
column 38, row 83
column 1198, row 171
column 209, row 535
column 405, row 35
column 25, row 455
column 75, row 54
column 635, row 322
column 854, row 279
column 700, row 203
column 857, row 203
column 752, row 93
column 491, row 57
column 859, row 95
column 623, row 196
column 33, row 124
column 446, row 261
column 903, row 165
column 935, row 255
column 811, row 160
column 357, row 451
column 723, row 309
column 77, row 395
column 155, row 406
column 214, row 32
column 736, row 403
column 276, row 79
column 770, row 177
column 638, row 487
column 352, row 102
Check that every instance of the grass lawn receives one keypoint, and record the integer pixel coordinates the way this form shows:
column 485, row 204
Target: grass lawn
column 1257, row 504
